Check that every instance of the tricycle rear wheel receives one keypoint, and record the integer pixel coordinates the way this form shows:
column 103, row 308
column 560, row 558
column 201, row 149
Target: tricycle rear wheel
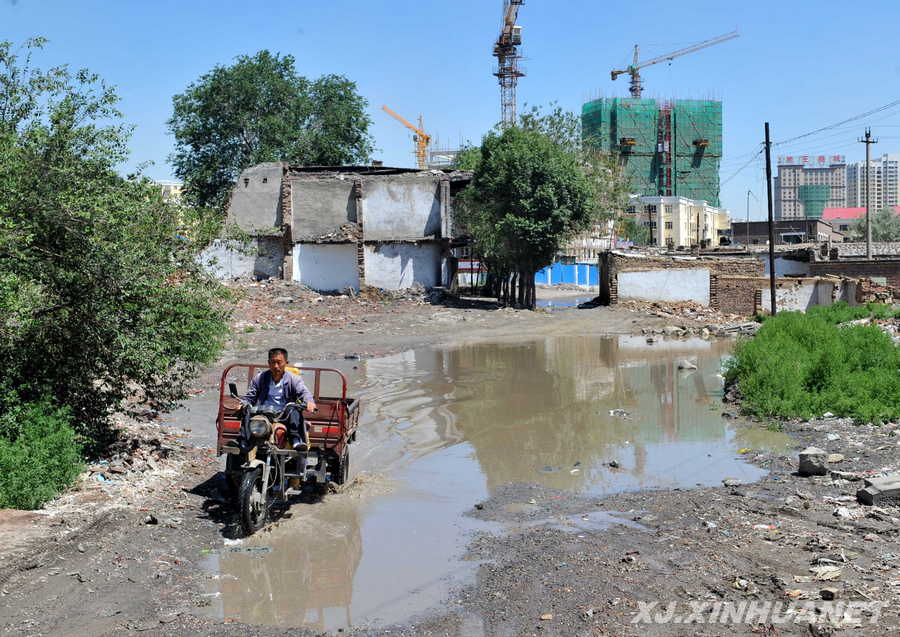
column 253, row 501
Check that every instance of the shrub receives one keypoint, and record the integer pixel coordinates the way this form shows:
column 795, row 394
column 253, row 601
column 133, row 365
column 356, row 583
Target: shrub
column 39, row 454
column 803, row 365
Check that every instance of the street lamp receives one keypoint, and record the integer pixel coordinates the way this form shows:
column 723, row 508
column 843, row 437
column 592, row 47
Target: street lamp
column 749, row 192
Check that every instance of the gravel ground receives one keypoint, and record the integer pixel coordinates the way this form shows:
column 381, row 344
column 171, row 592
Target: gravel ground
column 118, row 555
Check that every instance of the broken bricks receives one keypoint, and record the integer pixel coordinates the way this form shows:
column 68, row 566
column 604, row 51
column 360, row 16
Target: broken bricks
column 880, row 491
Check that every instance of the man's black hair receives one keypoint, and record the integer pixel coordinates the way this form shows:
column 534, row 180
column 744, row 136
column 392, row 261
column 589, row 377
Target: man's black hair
column 278, row 350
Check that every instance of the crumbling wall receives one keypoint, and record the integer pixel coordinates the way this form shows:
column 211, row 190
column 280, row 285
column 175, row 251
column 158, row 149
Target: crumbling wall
column 255, row 202
column 798, row 295
column 394, row 266
column 887, row 269
column 326, row 266
column 620, row 263
column 263, row 258
column 725, row 266
column 745, row 296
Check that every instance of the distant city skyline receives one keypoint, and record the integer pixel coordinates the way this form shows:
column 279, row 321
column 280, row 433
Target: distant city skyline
column 435, row 59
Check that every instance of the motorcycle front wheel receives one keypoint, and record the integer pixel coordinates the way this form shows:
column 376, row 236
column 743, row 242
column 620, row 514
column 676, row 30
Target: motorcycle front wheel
column 254, row 501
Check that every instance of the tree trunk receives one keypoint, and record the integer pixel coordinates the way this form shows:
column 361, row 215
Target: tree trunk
column 523, row 286
column 512, row 289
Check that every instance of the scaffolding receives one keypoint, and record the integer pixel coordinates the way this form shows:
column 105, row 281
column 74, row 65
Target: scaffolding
column 814, row 198
column 698, row 149
column 668, row 148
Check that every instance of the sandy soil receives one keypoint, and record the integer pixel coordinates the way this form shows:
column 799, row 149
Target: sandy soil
column 118, row 554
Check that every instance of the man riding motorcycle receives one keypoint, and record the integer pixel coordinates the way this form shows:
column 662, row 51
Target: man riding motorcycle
column 278, row 388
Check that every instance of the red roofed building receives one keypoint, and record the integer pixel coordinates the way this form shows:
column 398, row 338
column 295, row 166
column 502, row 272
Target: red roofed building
column 841, row 218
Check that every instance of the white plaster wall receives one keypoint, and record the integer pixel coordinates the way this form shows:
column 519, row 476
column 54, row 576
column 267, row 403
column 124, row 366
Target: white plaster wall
column 793, row 297
column 847, row 292
column 326, row 266
column 226, row 262
column 395, row 266
column 401, row 209
column 824, row 292
column 665, row 285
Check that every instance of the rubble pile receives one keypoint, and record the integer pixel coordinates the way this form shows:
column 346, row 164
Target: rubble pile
column 890, row 326
column 347, row 233
column 871, row 292
column 692, row 319
column 285, row 305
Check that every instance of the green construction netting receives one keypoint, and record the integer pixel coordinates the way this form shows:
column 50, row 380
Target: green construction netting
column 814, row 198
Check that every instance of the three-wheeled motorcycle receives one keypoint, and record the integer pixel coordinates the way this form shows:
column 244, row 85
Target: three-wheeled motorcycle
column 270, row 469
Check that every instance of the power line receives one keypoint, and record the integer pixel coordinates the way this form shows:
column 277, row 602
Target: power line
column 841, row 123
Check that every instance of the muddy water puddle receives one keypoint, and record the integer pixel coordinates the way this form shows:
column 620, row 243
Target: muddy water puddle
column 444, row 427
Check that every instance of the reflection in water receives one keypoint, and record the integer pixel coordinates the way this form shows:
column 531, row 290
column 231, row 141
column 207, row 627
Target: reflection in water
column 306, row 581
column 450, row 425
column 546, row 403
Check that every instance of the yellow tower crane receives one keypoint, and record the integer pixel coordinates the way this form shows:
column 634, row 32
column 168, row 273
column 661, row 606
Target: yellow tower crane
column 633, row 70
column 508, row 69
column 422, row 139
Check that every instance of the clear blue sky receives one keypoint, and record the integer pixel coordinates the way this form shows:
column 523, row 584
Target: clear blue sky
column 799, row 66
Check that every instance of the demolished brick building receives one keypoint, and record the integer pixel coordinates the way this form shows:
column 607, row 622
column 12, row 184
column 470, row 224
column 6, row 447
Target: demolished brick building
column 334, row 228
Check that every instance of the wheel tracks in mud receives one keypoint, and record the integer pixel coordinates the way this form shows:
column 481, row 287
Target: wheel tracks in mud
column 37, row 557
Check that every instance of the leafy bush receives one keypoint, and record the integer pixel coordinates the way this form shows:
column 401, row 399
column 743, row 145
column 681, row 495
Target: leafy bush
column 103, row 303
column 803, row 365
column 39, row 454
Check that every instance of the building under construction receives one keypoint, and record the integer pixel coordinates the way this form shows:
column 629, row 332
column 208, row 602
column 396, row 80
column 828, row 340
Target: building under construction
column 668, row 148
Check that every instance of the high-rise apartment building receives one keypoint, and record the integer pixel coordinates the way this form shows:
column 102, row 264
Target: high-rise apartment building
column 885, row 183
column 669, row 148
column 807, row 184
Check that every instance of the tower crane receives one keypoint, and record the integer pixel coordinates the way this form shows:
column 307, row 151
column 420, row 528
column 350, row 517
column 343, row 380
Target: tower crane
column 508, row 70
column 422, row 139
column 633, row 70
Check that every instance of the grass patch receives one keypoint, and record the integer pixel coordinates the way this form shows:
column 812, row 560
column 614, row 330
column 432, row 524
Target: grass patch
column 39, row 455
column 803, row 365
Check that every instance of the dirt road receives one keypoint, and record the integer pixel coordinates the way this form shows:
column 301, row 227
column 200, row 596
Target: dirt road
column 124, row 553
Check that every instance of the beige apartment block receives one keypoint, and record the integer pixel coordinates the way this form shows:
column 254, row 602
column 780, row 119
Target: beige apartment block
column 804, row 175
column 682, row 221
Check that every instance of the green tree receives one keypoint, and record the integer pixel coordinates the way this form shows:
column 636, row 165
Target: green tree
column 636, row 232
column 257, row 110
column 528, row 196
column 609, row 183
column 102, row 302
column 885, row 226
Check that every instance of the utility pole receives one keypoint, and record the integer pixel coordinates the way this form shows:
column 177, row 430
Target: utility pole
column 771, row 221
column 868, row 141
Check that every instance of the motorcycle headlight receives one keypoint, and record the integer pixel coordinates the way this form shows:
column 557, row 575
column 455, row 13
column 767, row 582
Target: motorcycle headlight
column 259, row 427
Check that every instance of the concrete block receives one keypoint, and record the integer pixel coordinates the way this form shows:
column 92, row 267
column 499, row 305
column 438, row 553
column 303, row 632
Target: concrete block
column 813, row 462
column 880, row 491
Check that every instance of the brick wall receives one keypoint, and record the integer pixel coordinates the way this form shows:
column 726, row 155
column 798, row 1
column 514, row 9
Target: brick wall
column 287, row 215
column 718, row 266
column 857, row 268
column 741, row 295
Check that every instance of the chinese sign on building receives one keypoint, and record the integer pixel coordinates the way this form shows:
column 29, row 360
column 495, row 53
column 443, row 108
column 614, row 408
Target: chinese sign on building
column 813, row 161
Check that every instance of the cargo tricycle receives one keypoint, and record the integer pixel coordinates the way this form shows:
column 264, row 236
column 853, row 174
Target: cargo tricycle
column 268, row 469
